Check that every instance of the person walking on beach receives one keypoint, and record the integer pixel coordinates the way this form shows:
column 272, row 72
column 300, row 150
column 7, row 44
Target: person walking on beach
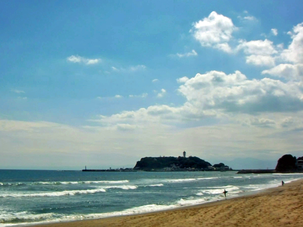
column 282, row 183
column 224, row 192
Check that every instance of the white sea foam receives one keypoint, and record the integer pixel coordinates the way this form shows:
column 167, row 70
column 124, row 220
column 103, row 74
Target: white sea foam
column 181, row 180
column 135, row 210
column 51, row 217
column 219, row 190
column 156, row 185
column 56, row 194
column 189, row 179
column 191, row 201
column 18, row 218
column 124, row 187
column 79, row 182
column 207, row 178
column 62, row 183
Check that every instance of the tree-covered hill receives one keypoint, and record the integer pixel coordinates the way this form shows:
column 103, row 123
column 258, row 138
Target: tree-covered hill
column 171, row 163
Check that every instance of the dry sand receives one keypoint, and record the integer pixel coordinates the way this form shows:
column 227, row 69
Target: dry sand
column 281, row 206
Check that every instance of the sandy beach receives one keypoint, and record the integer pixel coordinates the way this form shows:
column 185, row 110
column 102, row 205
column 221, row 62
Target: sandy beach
column 281, row 206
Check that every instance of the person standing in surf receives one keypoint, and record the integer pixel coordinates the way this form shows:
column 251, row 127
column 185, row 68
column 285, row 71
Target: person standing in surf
column 225, row 192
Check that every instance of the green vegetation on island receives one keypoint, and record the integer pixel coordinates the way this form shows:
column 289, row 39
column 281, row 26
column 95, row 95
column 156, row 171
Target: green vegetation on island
column 177, row 164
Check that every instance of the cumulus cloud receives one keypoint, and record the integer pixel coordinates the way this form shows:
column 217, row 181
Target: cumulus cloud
column 288, row 71
column 291, row 67
column 274, row 31
column 259, row 52
column 182, row 79
column 86, row 61
column 294, row 53
column 257, row 47
column 188, row 54
column 154, row 115
column 260, row 60
column 214, row 31
column 235, row 93
column 218, row 95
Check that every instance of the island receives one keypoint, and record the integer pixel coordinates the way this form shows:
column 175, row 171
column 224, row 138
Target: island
column 162, row 163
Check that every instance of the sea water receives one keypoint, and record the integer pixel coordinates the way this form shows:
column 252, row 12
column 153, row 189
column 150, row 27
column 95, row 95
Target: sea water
column 32, row 197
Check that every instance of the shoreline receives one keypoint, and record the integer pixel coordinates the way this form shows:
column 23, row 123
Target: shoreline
column 278, row 206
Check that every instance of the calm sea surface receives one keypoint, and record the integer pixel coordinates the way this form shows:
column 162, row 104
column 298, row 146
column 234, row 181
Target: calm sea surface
column 30, row 197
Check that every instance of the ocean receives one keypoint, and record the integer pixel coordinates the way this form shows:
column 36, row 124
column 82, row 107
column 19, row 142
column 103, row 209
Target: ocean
column 31, row 196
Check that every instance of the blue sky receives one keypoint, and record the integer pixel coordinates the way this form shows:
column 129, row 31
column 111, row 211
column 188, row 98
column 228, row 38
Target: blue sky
column 104, row 83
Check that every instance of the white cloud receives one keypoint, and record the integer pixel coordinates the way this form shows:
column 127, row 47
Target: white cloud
column 287, row 122
column 274, row 31
column 115, row 69
column 288, row 71
column 155, row 80
column 235, row 93
column 259, row 52
column 260, row 60
column 146, row 116
column 257, row 47
column 189, row 54
column 224, row 47
column 182, row 79
column 70, row 146
column 161, row 93
column 219, row 95
column 18, row 91
column 86, row 61
column 247, row 17
column 129, row 69
column 92, row 61
column 294, row 53
column 214, row 31
column 144, row 95
column 250, row 18
column 113, row 97
column 137, row 68
column 262, row 122
column 126, row 127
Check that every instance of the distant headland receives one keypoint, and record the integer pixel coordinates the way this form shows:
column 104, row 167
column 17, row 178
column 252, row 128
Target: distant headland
column 286, row 164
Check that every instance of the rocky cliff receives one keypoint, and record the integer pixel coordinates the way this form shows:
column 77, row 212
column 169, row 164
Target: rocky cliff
column 287, row 163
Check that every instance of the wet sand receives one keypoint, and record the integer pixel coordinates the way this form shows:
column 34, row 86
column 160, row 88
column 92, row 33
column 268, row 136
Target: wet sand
column 281, row 206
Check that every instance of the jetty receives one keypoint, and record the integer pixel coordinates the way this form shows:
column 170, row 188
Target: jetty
column 109, row 170
column 257, row 171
